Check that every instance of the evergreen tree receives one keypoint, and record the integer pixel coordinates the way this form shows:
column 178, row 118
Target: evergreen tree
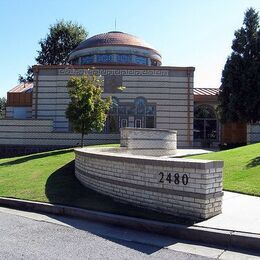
column 87, row 111
column 2, row 107
column 62, row 38
column 239, row 96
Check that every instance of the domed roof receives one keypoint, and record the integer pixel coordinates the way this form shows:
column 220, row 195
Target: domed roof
column 114, row 38
column 115, row 48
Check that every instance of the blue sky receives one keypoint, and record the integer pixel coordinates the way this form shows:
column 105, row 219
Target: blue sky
column 195, row 33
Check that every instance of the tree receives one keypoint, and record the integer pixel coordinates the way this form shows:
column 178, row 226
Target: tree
column 239, row 96
column 87, row 111
column 28, row 77
column 62, row 38
column 2, row 107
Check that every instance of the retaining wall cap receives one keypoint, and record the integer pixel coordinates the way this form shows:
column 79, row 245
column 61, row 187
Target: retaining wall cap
column 115, row 154
column 148, row 130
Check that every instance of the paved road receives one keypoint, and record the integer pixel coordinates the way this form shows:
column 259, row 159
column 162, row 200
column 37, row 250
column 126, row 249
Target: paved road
column 26, row 235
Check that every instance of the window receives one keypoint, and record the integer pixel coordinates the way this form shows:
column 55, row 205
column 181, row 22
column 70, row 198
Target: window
column 150, row 122
column 124, row 123
column 138, row 114
column 138, row 123
column 87, row 59
column 104, row 58
column 140, row 105
column 205, row 123
column 141, row 60
column 20, row 112
column 123, row 58
column 112, row 124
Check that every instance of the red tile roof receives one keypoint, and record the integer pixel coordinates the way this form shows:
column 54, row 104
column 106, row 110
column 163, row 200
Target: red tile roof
column 205, row 91
column 114, row 38
column 22, row 87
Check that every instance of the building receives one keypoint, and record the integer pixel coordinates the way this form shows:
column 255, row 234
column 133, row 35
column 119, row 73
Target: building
column 154, row 96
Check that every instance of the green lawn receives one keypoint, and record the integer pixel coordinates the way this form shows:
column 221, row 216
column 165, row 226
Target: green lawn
column 49, row 177
column 241, row 168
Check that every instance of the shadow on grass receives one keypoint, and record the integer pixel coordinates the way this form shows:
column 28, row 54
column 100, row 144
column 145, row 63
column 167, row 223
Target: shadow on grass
column 254, row 162
column 62, row 187
column 35, row 156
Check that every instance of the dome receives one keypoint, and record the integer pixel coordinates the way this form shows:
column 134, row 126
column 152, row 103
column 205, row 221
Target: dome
column 115, row 48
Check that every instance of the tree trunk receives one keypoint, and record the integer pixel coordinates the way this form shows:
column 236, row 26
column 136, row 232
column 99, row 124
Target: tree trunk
column 82, row 134
column 82, row 139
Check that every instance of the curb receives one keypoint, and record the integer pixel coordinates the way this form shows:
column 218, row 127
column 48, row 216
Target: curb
column 223, row 238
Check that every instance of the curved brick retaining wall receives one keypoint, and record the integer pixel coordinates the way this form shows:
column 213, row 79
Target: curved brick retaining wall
column 182, row 187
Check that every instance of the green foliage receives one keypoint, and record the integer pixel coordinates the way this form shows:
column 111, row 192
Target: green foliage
column 2, row 107
column 62, row 38
column 239, row 97
column 87, row 111
column 204, row 111
column 28, row 77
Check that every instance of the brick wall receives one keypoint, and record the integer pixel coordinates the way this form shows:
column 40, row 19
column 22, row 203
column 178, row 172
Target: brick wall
column 169, row 88
column 39, row 132
column 149, row 141
column 186, row 188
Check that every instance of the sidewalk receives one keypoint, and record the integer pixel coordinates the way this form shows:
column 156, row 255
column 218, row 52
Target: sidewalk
column 192, row 151
column 237, row 227
column 239, row 213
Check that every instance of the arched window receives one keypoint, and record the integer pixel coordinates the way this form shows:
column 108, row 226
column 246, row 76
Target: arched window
column 112, row 125
column 205, row 123
column 140, row 104
column 114, row 106
column 136, row 114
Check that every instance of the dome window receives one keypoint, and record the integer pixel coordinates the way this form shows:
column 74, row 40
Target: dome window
column 104, row 58
column 141, row 60
column 87, row 59
column 124, row 58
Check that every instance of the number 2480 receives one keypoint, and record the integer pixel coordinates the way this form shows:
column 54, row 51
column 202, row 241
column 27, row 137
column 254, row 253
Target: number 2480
column 177, row 179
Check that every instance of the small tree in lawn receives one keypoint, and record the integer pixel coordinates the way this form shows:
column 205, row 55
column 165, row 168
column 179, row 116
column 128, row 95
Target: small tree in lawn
column 87, row 111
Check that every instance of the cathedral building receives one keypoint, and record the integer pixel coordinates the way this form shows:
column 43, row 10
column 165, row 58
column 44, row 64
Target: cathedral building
column 153, row 96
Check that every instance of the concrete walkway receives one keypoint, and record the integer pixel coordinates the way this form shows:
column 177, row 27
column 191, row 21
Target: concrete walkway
column 239, row 213
column 192, row 151
column 237, row 227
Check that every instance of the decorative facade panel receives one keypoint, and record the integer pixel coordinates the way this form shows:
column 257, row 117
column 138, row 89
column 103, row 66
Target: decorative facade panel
column 103, row 72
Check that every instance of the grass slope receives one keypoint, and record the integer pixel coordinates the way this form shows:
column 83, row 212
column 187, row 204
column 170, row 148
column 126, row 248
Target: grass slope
column 241, row 168
column 49, row 177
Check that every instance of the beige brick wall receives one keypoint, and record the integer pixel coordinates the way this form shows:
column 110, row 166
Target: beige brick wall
column 40, row 133
column 192, row 190
column 167, row 87
column 153, row 141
